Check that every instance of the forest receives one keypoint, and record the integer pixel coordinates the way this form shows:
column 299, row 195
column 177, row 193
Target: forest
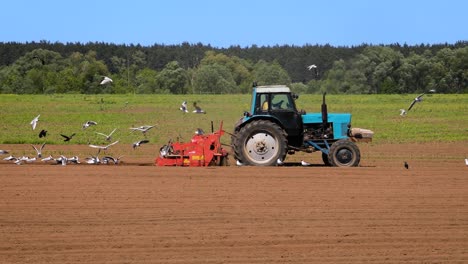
column 44, row 68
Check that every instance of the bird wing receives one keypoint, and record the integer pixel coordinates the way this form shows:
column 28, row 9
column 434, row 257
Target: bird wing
column 112, row 132
column 419, row 96
column 112, row 144
column 144, row 141
column 66, row 137
column 411, row 105
column 95, row 146
column 102, row 134
column 34, row 147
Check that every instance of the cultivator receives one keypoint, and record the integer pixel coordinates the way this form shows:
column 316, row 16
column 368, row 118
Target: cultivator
column 202, row 150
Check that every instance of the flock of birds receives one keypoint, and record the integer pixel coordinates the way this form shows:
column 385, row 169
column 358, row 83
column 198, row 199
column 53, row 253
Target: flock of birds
column 63, row 160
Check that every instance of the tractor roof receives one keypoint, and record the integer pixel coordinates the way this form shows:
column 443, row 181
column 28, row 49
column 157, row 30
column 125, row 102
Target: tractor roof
column 273, row 89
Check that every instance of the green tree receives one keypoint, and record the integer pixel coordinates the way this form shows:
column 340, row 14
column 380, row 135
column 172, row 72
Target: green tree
column 173, row 78
column 213, row 78
column 270, row 74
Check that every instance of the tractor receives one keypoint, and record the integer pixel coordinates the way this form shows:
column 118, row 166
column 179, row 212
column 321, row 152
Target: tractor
column 274, row 128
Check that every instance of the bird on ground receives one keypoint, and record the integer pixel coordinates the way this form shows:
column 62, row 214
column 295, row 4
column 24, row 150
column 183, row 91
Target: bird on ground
column 279, row 162
column 466, row 162
column 108, row 159
column 74, row 160
column 106, row 80
column 62, row 160
column 138, row 143
column 39, row 150
column 198, row 109
column 67, row 138
column 406, row 165
column 239, row 163
column 50, row 158
column 108, row 137
column 143, row 129
column 43, row 133
column 402, row 112
column 305, row 163
column 93, row 160
column 3, row 151
column 199, row 131
column 88, row 124
column 418, row 99
column 10, row 158
column 34, row 122
column 183, row 107
column 104, row 147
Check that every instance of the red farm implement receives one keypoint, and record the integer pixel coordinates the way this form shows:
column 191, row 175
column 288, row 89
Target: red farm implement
column 202, row 150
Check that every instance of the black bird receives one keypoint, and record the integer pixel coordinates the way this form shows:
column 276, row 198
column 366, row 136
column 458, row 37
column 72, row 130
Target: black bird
column 67, row 138
column 43, row 133
column 406, row 165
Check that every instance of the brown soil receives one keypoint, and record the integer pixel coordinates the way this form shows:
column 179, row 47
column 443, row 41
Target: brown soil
column 135, row 212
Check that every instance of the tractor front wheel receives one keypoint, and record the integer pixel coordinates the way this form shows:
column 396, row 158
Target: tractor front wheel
column 260, row 143
column 344, row 153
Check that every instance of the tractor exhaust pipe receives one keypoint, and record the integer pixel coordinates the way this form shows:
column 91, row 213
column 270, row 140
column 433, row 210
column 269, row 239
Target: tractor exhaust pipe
column 324, row 112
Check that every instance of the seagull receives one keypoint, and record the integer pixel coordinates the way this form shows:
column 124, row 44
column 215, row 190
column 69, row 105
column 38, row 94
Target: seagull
column 39, row 151
column 305, row 163
column 406, row 165
column 104, row 147
column 62, row 160
column 143, row 129
column 466, row 162
column 239, row 163
column 106, row 80
column 183, row 107
column 313, row 66
column 199, row 131
column 138, row 143
column 3, row 151
column 279, row 162
column 108, row 137
column 198, row 110
column 10, row 158
column 74, row 159
column 93, row 160
column 34, row 122
column 402, row 112
column 108, row 159
column 418, row 99
column 47, row 159
column 43, row 133
column 88, row 124
column 67, row 138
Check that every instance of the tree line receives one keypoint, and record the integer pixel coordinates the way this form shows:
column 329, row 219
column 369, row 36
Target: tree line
column 44, row 67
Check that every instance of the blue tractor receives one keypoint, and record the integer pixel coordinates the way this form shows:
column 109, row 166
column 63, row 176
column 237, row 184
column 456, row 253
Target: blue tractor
column 274, row 128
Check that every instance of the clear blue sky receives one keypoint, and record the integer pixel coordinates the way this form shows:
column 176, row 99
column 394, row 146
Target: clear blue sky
column 237, row 22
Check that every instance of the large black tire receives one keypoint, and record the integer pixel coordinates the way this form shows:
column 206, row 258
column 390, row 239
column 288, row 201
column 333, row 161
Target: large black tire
column 344, row 153
column 260, row 143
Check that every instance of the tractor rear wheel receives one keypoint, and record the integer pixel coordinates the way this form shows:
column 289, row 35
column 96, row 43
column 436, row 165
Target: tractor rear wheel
column 344, row 153
column 260, row 143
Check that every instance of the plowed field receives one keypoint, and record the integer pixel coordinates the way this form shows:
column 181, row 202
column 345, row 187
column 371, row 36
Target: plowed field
column 135, row 212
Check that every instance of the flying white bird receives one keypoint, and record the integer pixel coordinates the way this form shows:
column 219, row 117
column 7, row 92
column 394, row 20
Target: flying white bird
column 402, row 112
column 183, row 107
column 106, row 80
column 143, row 129
column 305, row 163
column 39, row 150
column 89, row 123
column 104, row 147
column 310, row 67
column 418, row 99
column 108, row 137
column 34, row 122
column 138, row 143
